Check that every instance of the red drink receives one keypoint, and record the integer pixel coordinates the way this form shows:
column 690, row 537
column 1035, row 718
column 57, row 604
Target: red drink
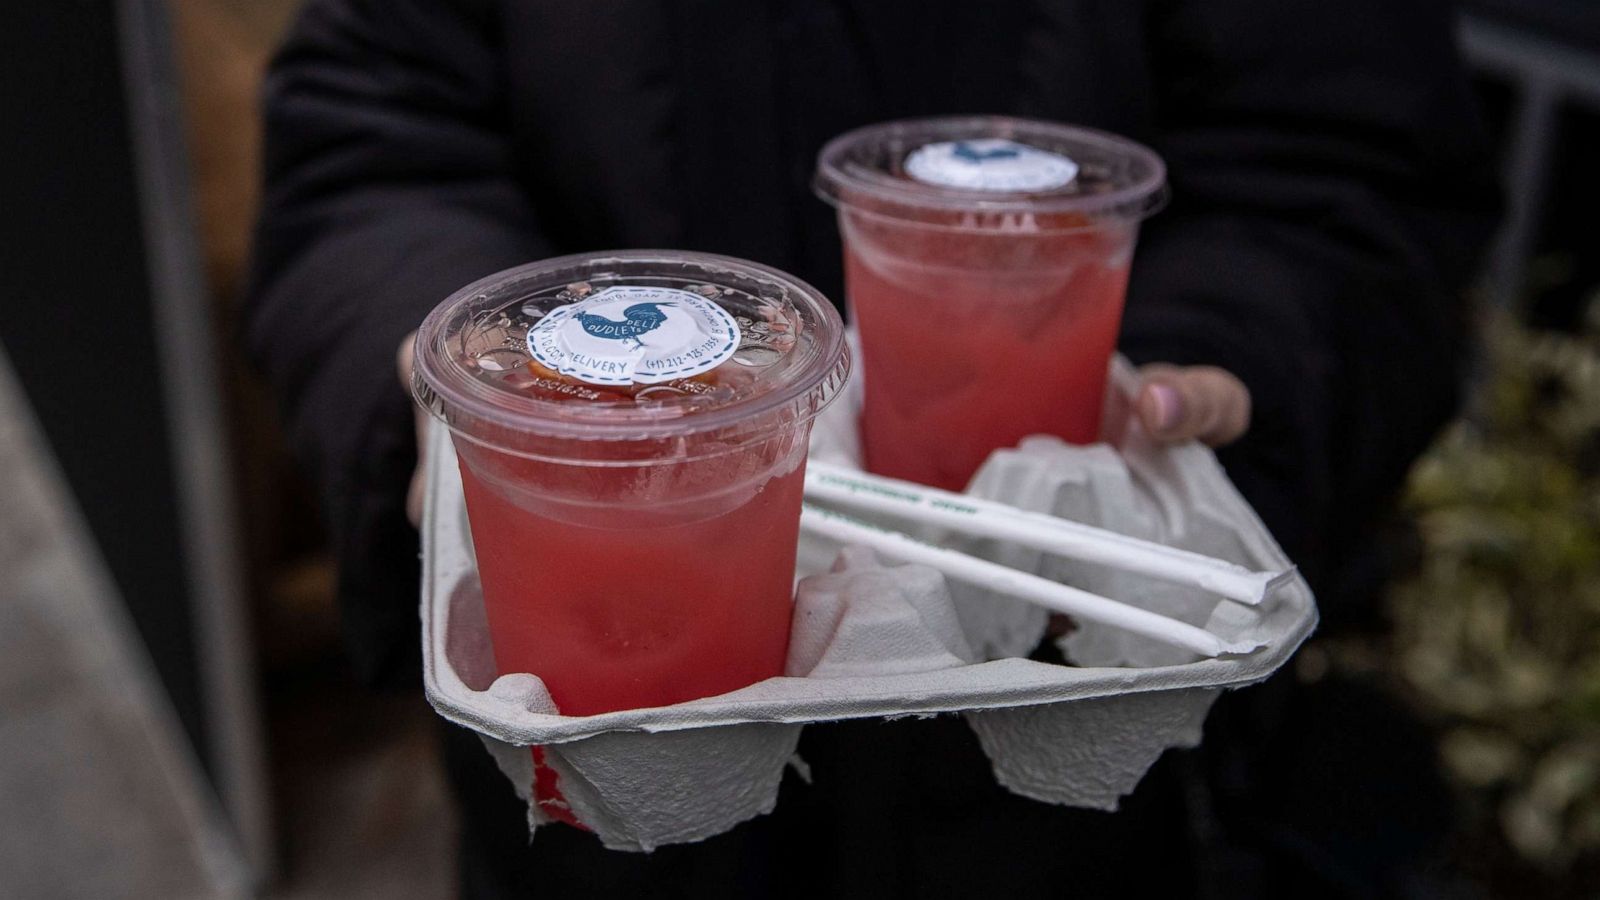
column 963, row 361
column 630, row 611
column 986, row 262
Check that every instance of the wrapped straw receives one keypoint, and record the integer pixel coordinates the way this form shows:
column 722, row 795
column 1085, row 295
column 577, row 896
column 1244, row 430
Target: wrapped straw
column 986, row 518
column 1043, row 592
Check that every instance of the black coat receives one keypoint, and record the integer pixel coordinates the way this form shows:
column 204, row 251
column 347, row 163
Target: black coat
column 1330, row 191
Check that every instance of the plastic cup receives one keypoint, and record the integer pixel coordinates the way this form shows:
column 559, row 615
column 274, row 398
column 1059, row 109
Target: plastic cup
column 632, row 431
column 986, row 265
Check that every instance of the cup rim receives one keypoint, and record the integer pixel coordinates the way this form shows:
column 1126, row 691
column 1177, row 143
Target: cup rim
column 480, row 412
column 843, row 181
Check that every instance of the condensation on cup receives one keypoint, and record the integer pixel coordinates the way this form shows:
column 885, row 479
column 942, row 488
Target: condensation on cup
column 986, row 264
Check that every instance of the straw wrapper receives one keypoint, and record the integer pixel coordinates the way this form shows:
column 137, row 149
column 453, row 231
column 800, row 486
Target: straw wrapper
column 997, row 578
column 974, row 515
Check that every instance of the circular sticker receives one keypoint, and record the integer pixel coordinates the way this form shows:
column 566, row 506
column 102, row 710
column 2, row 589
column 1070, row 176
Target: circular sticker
column 990, row 164
column 635, row 335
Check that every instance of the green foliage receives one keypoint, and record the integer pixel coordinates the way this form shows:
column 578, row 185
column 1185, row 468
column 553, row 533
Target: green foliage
column 1498, row 631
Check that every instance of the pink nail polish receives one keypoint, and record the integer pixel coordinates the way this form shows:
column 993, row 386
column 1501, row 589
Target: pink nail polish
column 1169, row 406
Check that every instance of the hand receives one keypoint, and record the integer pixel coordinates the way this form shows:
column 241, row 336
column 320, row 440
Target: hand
column 1203, row 403
column 420, row 421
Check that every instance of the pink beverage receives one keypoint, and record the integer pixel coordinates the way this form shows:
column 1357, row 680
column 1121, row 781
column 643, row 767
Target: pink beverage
column 645, row 613
column 632, row 431
column 986, row 263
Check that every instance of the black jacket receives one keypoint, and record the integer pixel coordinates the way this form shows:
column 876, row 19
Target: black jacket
column 1330, row 189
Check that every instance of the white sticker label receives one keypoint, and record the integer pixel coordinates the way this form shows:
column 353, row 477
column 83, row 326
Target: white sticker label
column 990, row 164
column 635, row 335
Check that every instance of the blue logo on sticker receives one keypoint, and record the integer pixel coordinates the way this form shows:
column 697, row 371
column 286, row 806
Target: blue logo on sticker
column 600, row 339
column 966, row 151
column 990, row 164
column 638, row 319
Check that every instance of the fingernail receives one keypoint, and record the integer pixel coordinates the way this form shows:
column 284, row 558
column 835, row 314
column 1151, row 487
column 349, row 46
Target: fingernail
column 1169, row 406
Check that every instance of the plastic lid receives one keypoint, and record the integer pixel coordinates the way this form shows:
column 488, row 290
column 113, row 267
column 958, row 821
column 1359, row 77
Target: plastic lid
column 628, row 346
column 927, row 169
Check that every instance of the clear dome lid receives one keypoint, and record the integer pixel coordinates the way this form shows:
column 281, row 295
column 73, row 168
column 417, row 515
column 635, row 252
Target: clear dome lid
column 933, row 169
column 630, row 346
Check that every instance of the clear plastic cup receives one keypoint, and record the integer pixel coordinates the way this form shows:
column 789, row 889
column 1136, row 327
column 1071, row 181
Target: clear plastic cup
column 632, row 431
column 986, row 264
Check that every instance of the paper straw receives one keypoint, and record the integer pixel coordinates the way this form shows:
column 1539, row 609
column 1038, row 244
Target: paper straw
column 1040, row 591
column 986, row 518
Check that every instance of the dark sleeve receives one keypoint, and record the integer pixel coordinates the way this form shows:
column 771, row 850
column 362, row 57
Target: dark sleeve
column 1331, row 193
column 387, row 186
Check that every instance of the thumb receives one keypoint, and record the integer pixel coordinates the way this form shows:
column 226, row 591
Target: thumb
column 1201, row 403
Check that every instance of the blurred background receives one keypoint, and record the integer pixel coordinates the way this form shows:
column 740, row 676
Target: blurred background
column 176, row 717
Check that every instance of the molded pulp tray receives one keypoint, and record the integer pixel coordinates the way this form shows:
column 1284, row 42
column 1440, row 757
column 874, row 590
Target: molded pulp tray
column 875, row 640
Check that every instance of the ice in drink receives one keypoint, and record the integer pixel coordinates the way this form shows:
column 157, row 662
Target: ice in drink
column 643, row 605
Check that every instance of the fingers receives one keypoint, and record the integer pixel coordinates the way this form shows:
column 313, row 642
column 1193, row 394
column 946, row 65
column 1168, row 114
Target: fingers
column 403, row 358
column 414, row 489
column 403, row 364
column 1202, row 403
